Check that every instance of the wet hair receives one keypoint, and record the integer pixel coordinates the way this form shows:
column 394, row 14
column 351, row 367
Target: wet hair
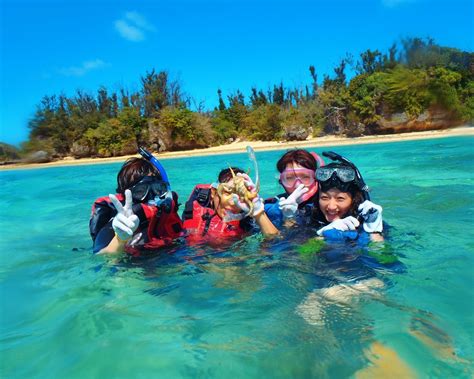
column 226, row 175
column 303, row 157
column 132, row 171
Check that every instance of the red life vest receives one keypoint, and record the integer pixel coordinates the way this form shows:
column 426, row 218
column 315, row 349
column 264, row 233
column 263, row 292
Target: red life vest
column 157, row 228
column 200, row 221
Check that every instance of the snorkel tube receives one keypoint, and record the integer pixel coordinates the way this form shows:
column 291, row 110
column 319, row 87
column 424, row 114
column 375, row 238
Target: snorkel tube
column 164, row 201
column 336, row 157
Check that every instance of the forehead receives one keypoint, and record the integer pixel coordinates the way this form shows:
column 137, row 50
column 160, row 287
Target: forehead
column 334, row 192
column 295, row 166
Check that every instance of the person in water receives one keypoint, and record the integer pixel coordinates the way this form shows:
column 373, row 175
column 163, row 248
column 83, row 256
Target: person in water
column 302, row 174
column 297, row 169
column 141, row 216
column 214, row 211
column 344, row 210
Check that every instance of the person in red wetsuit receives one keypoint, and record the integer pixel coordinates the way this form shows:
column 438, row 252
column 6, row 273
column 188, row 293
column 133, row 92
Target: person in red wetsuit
column 212, row 213
column 143, row 215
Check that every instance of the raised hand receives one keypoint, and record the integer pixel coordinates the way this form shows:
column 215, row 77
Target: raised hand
column 372, row 215
column 248, row 182
column 125, row 222
column 289, row 205
column 258, row 206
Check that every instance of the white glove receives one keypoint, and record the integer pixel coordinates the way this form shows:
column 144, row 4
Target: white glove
column 289, row 206
column 343, row 224
column 372, row 215
column 125, row 222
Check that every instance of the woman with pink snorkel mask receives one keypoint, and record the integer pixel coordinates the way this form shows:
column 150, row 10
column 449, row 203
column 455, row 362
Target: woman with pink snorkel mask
column 300, row 174
column 297, row 176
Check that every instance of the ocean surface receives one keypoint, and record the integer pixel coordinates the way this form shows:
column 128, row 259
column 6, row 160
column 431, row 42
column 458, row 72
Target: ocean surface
column 253, row 309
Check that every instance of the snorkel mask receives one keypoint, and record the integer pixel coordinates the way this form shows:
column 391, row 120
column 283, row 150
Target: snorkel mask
column 147, row 189
column 165, row 199
column 341, row 174
column 292, row 177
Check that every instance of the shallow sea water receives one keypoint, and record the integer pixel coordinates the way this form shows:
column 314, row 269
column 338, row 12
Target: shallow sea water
column 254, row 308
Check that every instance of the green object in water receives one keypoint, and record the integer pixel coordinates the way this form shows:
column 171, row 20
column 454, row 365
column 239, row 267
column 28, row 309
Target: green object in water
column 313, row 246
column 383, row 253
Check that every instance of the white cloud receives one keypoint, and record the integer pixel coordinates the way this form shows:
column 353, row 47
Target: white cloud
column 133, row 26
column 139, row 21
column 83, row 69
column 128, row 31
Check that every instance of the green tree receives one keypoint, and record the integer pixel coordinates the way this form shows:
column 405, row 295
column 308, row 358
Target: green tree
column 111, row 138
column 131, row 118
column 263, row 123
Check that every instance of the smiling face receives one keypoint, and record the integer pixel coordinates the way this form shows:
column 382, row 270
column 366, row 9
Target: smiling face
column 335, row 204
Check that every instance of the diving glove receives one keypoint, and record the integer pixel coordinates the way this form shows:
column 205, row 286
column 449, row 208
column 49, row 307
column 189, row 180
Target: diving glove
column 343, row 224
column 372, row 216
column 289, row 205
column 125, row 223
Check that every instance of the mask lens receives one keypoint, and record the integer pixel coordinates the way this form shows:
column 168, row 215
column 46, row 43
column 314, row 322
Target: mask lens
column 307, row 178
column 158, row 188
column 147, row 186
column 344, row 174
column 323, row 174
column 289, row 178
column 140, row 191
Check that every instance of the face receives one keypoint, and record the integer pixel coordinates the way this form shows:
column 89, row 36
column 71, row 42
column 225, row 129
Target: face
column 225, row 202
column 335, row 204
column 294, row 175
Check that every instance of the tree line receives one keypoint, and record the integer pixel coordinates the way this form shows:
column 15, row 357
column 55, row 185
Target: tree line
column 413, row 77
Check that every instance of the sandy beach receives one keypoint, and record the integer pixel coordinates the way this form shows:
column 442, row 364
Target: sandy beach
column 239, row 147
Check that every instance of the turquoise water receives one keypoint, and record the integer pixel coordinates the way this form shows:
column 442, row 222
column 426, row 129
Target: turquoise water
column 234, row 312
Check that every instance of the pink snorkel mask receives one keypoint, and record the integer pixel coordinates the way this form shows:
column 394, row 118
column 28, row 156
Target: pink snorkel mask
column 291, row 178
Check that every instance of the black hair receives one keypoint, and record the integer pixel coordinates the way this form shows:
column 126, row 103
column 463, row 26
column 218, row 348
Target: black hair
column 226, row 174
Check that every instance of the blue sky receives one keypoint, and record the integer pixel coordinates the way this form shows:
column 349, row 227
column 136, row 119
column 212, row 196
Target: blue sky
column 52, row 47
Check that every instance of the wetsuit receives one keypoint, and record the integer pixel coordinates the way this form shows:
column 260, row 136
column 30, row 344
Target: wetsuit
column 304, row 215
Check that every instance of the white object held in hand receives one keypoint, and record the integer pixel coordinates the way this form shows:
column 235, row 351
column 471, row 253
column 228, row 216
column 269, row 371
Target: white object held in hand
column 289, row 205
column 125, row 223
column 343, row 224
column 372, row 215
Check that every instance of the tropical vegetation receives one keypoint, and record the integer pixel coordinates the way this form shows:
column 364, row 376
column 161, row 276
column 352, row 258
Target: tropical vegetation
column 415, row 84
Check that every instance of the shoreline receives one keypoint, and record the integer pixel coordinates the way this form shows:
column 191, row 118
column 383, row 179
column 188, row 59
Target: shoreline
column 239, row 147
